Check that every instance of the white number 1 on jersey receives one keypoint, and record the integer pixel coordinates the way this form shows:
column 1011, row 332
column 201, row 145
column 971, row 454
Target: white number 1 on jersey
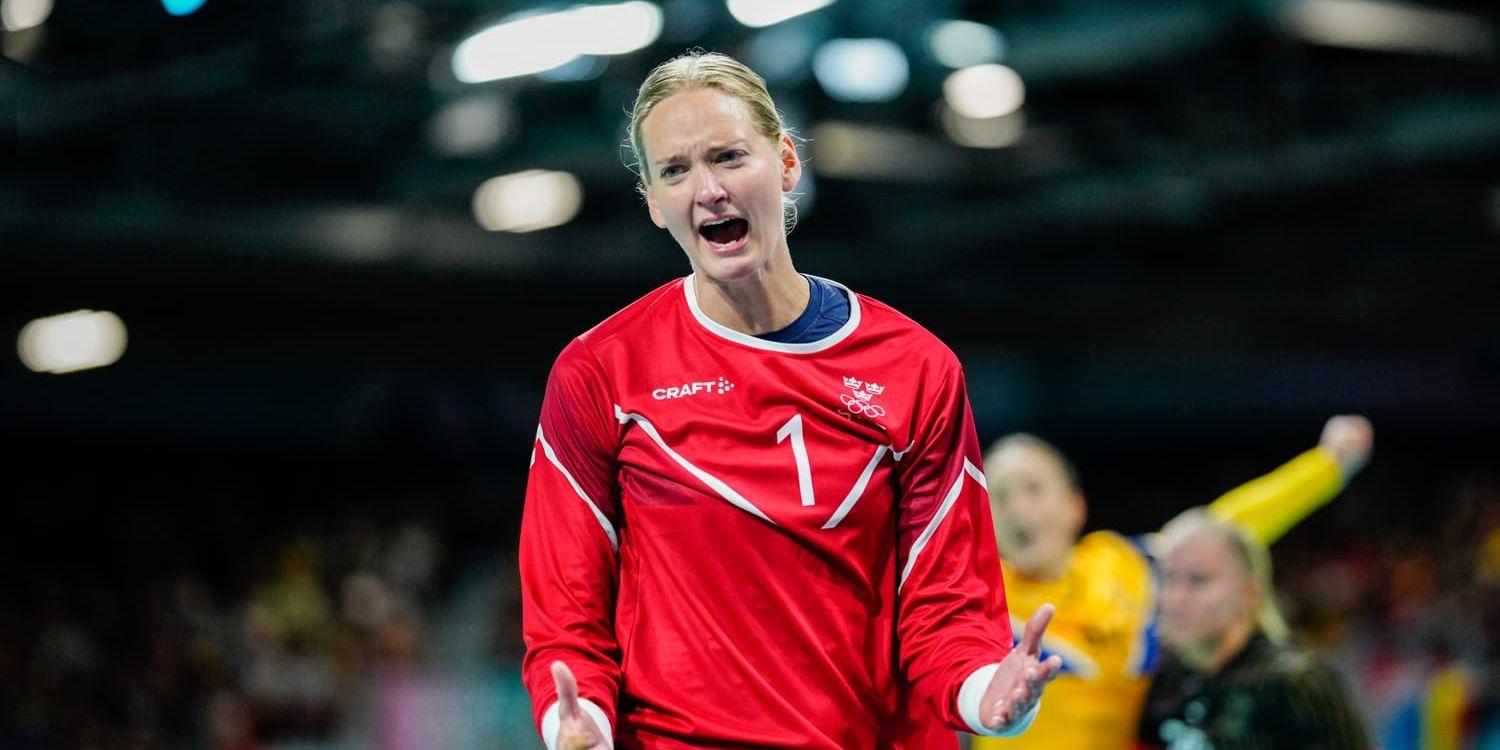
column 793, row 428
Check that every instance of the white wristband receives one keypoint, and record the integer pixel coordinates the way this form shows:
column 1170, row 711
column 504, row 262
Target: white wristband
column 972, row 692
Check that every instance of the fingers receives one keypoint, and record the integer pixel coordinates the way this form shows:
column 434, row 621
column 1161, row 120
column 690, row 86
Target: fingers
column 1051, row 668
column 1012, row 706
column 1031, row 638
column 1349, row 438
column 567, row 691
column 1027, row 691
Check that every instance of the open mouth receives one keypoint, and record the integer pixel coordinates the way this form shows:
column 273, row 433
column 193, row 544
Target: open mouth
column 725, row 231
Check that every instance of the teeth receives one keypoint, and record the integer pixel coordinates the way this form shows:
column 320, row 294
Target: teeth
column 718, row 222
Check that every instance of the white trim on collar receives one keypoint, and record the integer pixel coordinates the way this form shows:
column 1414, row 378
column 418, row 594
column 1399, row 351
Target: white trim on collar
column 724, row 331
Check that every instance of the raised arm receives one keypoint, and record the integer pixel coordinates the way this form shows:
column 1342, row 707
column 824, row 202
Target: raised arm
column 568, row 555
column 954, row 631
column 1271, row 505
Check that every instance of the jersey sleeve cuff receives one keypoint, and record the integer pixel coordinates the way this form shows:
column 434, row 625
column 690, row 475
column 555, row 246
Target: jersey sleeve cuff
column 552, row 721
column 972, row 692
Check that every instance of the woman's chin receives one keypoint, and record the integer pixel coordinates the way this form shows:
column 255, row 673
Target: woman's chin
column 728, row 269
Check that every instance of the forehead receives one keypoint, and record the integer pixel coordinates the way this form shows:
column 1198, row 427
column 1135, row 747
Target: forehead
column 1025, row 458
column 1202, row 552
column 690, row 119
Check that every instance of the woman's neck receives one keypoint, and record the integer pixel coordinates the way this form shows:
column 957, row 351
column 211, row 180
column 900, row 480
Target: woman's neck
column 768, row 300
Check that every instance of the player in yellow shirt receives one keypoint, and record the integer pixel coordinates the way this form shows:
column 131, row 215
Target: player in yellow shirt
column 1104, row 585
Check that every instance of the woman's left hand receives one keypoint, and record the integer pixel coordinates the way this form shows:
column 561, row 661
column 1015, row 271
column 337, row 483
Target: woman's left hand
column 1017, row 685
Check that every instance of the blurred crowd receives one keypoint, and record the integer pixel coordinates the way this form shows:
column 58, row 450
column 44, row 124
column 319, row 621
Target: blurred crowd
column 372, row 634
column 181, row 661
column 1410, row 613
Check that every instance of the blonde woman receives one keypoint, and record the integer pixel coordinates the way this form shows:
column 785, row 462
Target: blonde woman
column 755, row 515
column 1230, row 680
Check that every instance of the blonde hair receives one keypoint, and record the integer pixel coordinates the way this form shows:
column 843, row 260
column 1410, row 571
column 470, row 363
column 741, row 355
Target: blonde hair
column 1253, row 555
column 697, row 69
column 1028, row 440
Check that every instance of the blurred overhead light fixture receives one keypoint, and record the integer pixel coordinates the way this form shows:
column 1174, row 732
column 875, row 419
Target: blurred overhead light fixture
column 524, row 45
column 843, row 150
column 181, row 7
column 861, row 70
column 985, row 132
column 1396, row 27
column 72, row 341
column 19, row 15
column 984, row 91
column 960, row 44
column 527, row 201
column 472, row 126
column 581, row 68
column 759, row 13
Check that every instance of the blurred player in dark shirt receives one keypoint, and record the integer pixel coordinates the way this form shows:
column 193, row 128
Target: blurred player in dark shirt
column 1229, row 681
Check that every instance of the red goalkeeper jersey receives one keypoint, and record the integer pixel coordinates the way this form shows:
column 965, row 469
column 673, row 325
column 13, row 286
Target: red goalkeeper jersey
column 739, row 543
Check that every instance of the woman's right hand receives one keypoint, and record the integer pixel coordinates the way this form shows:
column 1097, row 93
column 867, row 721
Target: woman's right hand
column 577, row 731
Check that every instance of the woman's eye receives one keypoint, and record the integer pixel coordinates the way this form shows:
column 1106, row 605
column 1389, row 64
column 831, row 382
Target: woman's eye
column 672, row 171
column 730, row 156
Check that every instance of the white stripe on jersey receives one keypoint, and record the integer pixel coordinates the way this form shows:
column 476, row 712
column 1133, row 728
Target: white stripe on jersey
column 609, row 529
column 972, row 472
column 714, row 483
column 857, row 490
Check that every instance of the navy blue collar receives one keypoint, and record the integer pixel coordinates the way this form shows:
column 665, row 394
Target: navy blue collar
column 827, row 311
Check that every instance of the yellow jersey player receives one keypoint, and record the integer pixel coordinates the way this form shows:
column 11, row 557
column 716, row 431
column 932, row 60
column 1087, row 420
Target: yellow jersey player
column 1104, row 585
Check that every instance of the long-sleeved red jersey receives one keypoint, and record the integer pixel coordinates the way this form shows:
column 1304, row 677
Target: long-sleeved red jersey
column 739, row 543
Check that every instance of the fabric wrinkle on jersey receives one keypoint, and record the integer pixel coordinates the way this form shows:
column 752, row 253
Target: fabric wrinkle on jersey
column 805, row 557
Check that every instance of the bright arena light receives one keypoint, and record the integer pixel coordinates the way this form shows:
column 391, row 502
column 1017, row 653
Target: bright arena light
column 1397, row 27
column 472, row 126
column 19, row 15
column 758, row 13
column 615, row 29
column 961, row 44
column 527, row 201
column 72, row 341
column 987, row 132
column 523, row 45
column 984, row 91
column 181, row 7
column 861, row 70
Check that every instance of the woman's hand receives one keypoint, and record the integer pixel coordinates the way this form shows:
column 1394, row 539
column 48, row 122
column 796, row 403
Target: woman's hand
column 577, row 731
column 1017, row 685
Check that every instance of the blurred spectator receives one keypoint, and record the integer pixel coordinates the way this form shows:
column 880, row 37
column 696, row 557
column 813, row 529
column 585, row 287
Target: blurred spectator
column 1229, row 680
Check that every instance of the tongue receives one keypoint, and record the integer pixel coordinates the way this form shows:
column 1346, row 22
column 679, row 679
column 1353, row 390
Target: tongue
column 727, row 232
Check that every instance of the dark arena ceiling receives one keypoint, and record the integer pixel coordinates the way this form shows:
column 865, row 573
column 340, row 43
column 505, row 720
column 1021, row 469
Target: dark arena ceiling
column 278, row 198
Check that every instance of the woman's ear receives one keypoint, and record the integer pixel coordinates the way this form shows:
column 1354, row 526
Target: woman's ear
column 791, row 163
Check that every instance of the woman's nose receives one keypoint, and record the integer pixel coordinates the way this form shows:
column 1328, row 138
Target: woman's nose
column 710, row 189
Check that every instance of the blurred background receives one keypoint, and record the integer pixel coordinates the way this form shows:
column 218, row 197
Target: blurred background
column 285, row 279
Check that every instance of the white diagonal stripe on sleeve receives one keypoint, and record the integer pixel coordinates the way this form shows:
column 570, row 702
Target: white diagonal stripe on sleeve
column 857, row 491
column 609, row 529
column 713, row 482
column 974, row 473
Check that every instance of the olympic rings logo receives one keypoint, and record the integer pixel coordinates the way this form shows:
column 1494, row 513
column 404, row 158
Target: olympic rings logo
column 856, row 406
